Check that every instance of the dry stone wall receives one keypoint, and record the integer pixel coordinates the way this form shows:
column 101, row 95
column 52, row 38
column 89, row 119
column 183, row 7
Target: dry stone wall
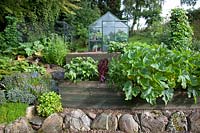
column 108, row 121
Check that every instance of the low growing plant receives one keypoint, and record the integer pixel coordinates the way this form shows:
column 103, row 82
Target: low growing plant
column 21, row 96
column 33, row 83
column 49, row 103
column 81, row 68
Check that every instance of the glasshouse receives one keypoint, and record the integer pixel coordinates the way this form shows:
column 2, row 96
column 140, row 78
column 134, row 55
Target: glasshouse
column 107, row 28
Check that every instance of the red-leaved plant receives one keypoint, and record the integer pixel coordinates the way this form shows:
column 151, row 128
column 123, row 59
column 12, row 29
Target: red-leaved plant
column 103, row 69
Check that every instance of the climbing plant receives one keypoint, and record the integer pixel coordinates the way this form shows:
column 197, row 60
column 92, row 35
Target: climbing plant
column 180, row 30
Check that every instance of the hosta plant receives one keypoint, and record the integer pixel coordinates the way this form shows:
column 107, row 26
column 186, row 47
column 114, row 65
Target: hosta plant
column 81, row 68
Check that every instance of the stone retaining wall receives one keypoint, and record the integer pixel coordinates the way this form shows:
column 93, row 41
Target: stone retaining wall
column 108, row 121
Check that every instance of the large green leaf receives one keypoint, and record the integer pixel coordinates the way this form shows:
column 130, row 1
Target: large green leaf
column 193, row 92
column 167, row 95
column 183, row 80
column 128, row 90
column 135, row 91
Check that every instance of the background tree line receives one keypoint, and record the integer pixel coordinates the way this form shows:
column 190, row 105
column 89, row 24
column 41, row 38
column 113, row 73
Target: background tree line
column 38, row 17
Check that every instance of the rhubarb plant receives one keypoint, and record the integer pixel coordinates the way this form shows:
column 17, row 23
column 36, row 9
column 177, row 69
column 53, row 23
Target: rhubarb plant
column 153, row 72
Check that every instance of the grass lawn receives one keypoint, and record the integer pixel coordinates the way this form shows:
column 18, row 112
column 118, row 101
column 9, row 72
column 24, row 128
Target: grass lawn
column 11, row 111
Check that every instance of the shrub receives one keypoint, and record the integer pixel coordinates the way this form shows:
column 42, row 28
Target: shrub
column 10, row 36
column 49, row 103
column 56, row 51
column 16, row 95
column 2, row 97
column 81, row 68
column 153, row 72
column 11, row 111
column 180, row 30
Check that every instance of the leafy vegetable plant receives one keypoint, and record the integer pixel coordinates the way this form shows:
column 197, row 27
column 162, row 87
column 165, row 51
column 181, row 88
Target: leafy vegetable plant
column 116, row 46
column 81, row 68
column 153, row 72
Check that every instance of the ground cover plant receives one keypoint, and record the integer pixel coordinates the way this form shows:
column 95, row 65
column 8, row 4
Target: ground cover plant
column 34, row 83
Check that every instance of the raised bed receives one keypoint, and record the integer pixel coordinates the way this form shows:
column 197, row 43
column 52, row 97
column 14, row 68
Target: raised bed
column 92, row 94
column 95, row 55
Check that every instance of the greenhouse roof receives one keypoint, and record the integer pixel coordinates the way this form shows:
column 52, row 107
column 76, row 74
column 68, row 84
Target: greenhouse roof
column 107, row 19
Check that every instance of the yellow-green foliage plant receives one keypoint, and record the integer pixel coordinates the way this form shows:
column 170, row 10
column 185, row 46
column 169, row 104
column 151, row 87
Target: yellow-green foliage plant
column 49, row 103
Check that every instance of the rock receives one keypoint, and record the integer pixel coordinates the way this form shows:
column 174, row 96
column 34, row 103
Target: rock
column 91, row 115
column 2, row 127
column 58, row 75
column 36, row 122
column 195, row 121
column 178, row 122
column 30, row 112
column 20, row 125
column 105, row 122
column 153, row 122
column 128, row 124
column 77, row 121
column 52, row 124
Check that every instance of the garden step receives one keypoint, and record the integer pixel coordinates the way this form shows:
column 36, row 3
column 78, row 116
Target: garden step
column 89, row 91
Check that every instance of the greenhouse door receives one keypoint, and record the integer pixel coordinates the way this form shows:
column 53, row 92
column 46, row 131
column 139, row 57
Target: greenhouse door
column 108, row 32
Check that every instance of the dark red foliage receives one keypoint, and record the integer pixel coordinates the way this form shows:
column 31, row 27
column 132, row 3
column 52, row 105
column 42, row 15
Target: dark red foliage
column 103, row 69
